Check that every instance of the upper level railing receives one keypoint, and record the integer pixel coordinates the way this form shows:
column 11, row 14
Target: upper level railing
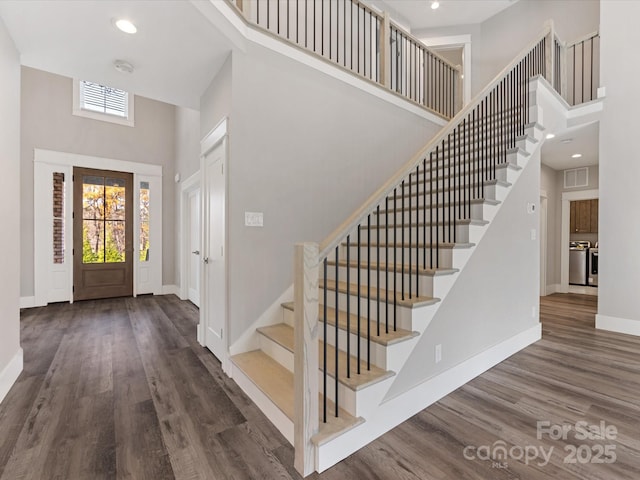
column 576, row 68
column 355, row 36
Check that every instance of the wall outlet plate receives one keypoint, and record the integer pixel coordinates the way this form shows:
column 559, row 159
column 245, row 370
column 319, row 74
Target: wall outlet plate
column 253, row 219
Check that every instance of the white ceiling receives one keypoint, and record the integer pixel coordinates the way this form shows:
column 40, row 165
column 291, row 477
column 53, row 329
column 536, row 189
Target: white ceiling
column 557, row 151
column 417, row 14
column 176, row 51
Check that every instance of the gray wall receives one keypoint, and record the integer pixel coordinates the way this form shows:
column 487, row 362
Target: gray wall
column 497, row 41
column 495, row 296
column 47, row 123
column 307, row 150
column 9, row 208
column 215, row 103
column 619, row 168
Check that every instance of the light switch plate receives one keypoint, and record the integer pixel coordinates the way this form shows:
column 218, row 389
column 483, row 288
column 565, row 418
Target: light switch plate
column 253, row 219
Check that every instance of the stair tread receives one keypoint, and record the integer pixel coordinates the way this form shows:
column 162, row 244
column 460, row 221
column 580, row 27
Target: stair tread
column 391, row 338
column 443, row 245
column 473, row 170
column 283, row 335
column 475, row 201
column 276, row 382
column 397, row 267
column 414, row 302
column 487, row 183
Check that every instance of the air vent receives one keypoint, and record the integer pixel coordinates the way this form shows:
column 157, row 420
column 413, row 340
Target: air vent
column 576, row 177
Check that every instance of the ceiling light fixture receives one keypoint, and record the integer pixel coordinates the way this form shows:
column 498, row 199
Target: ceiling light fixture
column 550, row 136
column 435, row 4
column 125, row 26
column 123, row 66
column 576, row 155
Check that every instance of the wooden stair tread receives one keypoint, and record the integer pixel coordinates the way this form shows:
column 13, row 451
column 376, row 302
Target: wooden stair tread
column 391, row 338
column 465, row 221
column 414, row 302
column 276, row 382
column 282, row 334
column 475, row 201
column 397, row 267
column 442, row 245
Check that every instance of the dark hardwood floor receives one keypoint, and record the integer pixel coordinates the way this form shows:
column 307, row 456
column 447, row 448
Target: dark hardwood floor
column 121, row 389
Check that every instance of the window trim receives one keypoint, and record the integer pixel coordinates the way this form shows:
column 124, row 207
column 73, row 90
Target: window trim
column 78, row 111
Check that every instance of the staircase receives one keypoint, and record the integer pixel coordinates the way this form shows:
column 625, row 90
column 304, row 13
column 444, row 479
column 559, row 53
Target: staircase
column 368, row 293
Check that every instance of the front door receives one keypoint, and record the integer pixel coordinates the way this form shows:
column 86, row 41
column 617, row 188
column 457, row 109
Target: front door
column 102, row 234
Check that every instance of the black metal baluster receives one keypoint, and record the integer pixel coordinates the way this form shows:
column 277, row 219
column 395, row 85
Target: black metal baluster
column 437, row 226
column 378, row 270
column 417, row 265
column 386, row 263
column 359, row 294
column 368, row 292
column 348, row 307
column 424, row 213
column 324, row 343
column 410, row 245
column 431, row 188
column 402, row 244
column 449, row 206
column 395, row 254
column 337, row 309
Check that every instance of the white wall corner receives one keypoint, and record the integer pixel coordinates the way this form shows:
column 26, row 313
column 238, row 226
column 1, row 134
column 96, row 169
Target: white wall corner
column 619, row 325
column 171, row 290
column 10, row 373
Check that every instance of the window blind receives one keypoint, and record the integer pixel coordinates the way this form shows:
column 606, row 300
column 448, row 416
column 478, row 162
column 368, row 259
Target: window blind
column 103, row 99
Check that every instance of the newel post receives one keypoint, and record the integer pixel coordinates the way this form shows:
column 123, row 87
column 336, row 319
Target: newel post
column 305, row 297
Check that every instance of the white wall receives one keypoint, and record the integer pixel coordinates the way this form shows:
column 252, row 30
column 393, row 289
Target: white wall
column 10, row 353
column 619, row 166
column 305, row 149
column 215, row 103
column 47, row 123
column 496, row 296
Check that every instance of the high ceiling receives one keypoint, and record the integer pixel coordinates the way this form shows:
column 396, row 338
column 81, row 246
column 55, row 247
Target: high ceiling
column 417, row 14
column 176, row 51
column 557, row 152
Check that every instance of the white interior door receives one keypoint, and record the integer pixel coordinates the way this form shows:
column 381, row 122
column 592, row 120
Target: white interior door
column 193, row 244
column 214, row 285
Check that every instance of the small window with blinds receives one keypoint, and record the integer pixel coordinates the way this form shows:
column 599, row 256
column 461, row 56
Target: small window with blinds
column 102, row 102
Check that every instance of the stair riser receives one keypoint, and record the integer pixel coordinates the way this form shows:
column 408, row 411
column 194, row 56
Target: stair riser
column 425, row 283
column 357, row 403
column 441, row 259
column 438, row 198
column 475, row 211
column 464, row 233
column 378, row 353
column 503, row 173
column 468, row 161
column 376, row 311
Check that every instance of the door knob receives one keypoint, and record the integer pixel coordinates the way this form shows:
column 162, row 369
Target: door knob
column 205, row 260
column 196, row 252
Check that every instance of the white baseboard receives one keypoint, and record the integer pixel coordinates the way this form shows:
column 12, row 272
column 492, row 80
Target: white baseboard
column 619, row 325
column 10, row 374
column 583, row 290
column 27, row 302
column 171, row 290
column 554, row 288
column 398, row 409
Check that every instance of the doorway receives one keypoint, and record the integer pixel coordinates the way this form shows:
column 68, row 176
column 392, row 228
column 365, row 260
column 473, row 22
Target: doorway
column 102, row 234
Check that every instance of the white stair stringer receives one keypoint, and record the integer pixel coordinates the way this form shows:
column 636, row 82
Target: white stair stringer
column 385, row 415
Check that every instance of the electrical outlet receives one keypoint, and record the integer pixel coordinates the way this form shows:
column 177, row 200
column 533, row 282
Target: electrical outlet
column 534, row 234
column 438, row 353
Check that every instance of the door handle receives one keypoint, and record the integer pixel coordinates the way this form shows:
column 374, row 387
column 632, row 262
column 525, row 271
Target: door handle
column 205, row 260
column 196, row 252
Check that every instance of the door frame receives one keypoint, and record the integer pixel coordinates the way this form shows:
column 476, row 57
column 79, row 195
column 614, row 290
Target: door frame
column 217, row 136
column 48, row 161
column 187, row 187
column 543, row 241
column 568, row 197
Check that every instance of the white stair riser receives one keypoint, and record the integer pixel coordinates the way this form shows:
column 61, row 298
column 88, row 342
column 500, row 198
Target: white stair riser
column 439, row 197
column 467, row 161
column 288, row 317
column 464, row 233
column 357, row 403
column 276, row 351
column 444, row 255
column 437, row 214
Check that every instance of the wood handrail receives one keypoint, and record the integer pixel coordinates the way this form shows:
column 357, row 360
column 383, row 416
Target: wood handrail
column 336, row 237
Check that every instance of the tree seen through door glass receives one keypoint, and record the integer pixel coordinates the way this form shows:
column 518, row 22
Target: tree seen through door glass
column 103, row 226
column 144, row 221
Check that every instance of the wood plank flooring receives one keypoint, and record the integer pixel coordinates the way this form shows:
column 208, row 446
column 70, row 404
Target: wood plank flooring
column 120, row 389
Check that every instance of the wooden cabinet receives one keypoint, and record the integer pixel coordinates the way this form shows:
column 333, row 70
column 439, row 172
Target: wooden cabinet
column 583, row 216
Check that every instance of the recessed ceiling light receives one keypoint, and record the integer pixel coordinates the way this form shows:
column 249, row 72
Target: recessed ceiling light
column 550, row 136
column 125, row 26
column 435, row 5
column 576, row 155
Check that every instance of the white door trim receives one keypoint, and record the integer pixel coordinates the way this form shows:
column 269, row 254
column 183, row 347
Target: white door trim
column 47, row 161
column 186, row 187
column 463, row 41
column 212, row 140
column 543, row 242
column 568, row 197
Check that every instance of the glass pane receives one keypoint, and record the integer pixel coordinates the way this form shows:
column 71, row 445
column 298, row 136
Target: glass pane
column 92, row 241
column 58, row 194
column 114, row 193
column 144, row 221
column 58, row 240
column 92, row 197
column 115, row 241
